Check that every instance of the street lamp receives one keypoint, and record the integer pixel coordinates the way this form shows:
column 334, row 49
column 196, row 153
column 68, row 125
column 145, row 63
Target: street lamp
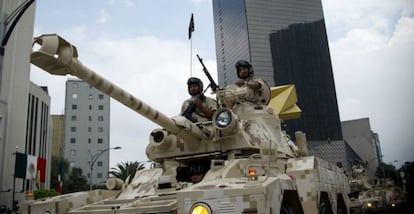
column 94, row 158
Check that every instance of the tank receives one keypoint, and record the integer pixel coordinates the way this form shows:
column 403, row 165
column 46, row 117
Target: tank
column 383, row 196
column 244, row 161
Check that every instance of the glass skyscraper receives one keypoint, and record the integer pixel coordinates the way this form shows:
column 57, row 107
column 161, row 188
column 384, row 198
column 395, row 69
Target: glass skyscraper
column 286, row 43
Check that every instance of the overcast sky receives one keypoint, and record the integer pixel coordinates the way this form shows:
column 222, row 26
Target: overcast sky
column 143, row 47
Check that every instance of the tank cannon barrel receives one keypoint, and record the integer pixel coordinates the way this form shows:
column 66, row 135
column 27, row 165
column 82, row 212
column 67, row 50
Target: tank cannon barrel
column 59, row 57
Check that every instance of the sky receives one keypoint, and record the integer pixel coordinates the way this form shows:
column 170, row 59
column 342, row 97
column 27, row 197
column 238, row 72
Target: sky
column 143, row 47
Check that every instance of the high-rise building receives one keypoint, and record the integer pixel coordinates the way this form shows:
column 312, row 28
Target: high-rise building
column 58, row 134
column 87, row 130
column 24, row 107
column 365, row 142
column 286, row 43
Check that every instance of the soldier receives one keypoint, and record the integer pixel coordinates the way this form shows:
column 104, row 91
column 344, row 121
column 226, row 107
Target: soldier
column 198, row 108
column 246, row 79
column 197, row 173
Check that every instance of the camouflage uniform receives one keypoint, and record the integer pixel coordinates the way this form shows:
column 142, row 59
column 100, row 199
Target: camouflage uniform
column 257, row 95
column 199, row 116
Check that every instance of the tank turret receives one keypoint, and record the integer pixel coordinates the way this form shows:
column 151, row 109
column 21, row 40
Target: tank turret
column 245, row 162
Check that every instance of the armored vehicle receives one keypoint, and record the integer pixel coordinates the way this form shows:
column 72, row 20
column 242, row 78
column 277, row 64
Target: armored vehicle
column 246, row 161
column 380, row 196
column 359, row 183
column 384, row 196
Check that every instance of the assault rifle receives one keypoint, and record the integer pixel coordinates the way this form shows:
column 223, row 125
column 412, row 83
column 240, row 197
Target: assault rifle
column 192, row 107
column 213, row 84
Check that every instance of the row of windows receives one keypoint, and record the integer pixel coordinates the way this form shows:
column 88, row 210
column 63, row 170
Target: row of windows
column 98, row 175
column 75, row 118
column 99, row 129
column 99, row 140
column 100, row 96
column 74, row 107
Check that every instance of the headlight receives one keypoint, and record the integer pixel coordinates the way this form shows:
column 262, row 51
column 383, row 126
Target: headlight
column 223, row 119
column 369, row 205
column 200, row 208
column 226, row 121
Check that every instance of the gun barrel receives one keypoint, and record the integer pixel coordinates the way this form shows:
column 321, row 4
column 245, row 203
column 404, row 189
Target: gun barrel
column 59, row 57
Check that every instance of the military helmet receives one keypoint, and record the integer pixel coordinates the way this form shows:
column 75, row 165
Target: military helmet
column 197, row 169
column 243, row 63
column 194, row 80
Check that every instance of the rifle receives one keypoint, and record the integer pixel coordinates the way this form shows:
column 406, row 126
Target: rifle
column 213, row 84
column 191, row 108
column 187, row 113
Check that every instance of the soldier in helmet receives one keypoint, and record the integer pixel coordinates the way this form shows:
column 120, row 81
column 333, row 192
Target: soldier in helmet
column 197, row 173
column 198, row 108
column 247, row 79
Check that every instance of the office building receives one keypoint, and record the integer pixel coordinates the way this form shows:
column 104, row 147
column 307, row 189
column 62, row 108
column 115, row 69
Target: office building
column 58, row 134
column 286, row 43
column 24, row 107
column 359, row 136
column 87, row 129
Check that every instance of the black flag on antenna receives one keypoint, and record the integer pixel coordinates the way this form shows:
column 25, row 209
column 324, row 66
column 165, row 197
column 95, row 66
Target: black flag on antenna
column 191, row 26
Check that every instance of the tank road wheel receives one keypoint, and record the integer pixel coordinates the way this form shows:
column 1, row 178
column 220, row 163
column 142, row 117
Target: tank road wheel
column 324, row 204
column 291, row 203
column 341, row 207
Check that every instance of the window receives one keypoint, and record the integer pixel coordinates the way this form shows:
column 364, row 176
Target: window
column 100, row 118
column 100, row 140
column 99, row 175
column 73, row 140
column 90, row 107
column 90, row 118
column 100, row 129
column 100, row 107
column 73, row 118
column 89, row 129
column 90, row 96
column 72, row 164
column 74, row 85
column 74, row 96
column 99, row 163
column 89, row 152
column 74, row 107
column 101, row 96
column 73, row 129
column 72, row 152
column 89, row 140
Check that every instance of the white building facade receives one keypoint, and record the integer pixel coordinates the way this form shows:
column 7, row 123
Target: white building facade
column 24, row 107
column 87, row 129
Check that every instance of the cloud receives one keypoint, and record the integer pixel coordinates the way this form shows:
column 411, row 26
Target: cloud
column 372, row 63
column 103, row 17
column 404, row 32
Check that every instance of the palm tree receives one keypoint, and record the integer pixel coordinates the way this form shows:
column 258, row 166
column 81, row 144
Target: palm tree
column 123, row 170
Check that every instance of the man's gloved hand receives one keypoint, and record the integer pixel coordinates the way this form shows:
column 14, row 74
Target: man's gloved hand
column 240, row 82
column 197, row 101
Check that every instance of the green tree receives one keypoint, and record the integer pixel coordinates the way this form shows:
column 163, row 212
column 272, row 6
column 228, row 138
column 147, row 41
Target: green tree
column 55, row 170
column 387, row 171
column 76, row 182
column 123, row 170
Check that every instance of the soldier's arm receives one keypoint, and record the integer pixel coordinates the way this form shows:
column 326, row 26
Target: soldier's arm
column 204, row 108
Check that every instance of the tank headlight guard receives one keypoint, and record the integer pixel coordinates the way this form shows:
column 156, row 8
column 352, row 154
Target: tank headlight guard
column 200, row 208
column 226, row 121
column 223, row 119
